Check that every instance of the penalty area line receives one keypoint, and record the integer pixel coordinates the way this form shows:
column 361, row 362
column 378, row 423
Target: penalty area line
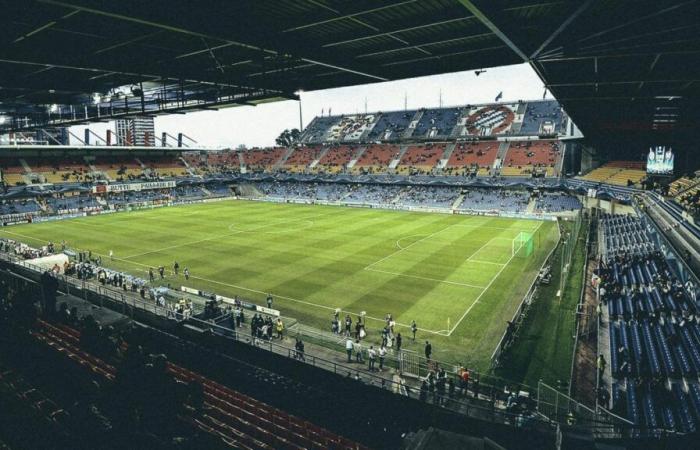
column 486, row 289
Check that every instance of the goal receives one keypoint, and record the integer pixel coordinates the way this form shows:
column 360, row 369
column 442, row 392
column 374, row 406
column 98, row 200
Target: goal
column 523, row 245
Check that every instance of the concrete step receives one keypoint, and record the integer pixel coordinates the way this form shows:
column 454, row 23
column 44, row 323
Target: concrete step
column 24, row 164
column 445, row 157
column 315, row 162
column 458, row 201
column 283, row 159
column 395, row 162
column 357, row 156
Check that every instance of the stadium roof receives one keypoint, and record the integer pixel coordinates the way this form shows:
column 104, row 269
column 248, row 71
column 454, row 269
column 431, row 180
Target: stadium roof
column 618, row 67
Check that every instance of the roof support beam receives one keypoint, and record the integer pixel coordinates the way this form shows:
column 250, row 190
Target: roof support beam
column 424, row 44
column 584, row 6
column 397, row 31
column 619, row 82
column 636, row 20
column 614, row 55
column 349, row 16
column 76, row 4
column 479, row 14
column 356, row 20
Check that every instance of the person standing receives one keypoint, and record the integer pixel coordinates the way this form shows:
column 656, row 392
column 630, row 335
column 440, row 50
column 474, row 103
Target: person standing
column 399, row 339
column 428, row 350
column 161, row 271
column 372, row 355
column 151, row 276
column 279, row 326
column 187, row 273
column 382, row 355
column 414, row 328
column 176, row 268
column 348, row 348
column 601, row 365
column 299, row 346
column 348, row 325
column 269, row 301
column 358, row 351
column 111, row 255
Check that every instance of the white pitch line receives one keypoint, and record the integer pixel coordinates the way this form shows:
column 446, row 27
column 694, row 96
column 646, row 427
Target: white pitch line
column 528, row 230
column 408, row 246
column 24, row 236
column 478, row 261
column 291, row 299
column 486, row 289
column 406, row 237
column 425, row 278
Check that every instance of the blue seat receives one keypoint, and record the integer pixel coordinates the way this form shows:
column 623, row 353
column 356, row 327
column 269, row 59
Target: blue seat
column 614, row 365
column 650, row 417
column 653, row 357
column 687, row 422
column 632, row 403
column 662, row 345
column 691, row 347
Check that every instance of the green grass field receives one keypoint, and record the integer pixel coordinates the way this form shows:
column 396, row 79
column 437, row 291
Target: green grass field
column 455, row 275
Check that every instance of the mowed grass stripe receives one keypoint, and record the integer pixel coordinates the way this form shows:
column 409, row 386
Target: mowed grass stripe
column 320, row 266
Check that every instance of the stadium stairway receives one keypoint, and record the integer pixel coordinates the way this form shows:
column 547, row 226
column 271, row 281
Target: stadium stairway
column 531, row 206
column 395, row 162
column 250, row 191
column 190, row 170
column 357, row 156
column 501, row 155
column 283, row 159
column 449, row 148
column 241, row 162
column 24, row 164
column 315, row 162
column 458, row 201
column 416, row 119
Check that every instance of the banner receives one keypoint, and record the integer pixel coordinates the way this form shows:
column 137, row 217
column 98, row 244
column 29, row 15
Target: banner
column 103, row 188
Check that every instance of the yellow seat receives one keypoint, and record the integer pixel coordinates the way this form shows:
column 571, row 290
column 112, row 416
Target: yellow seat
column 11, row 179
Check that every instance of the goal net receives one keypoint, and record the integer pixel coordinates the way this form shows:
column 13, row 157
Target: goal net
column 523, row 245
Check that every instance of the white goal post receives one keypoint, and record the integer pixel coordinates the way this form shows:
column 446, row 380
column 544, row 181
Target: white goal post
column 522, row 244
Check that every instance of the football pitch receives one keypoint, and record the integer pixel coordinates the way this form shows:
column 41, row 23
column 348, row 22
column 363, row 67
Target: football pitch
column 458, row 277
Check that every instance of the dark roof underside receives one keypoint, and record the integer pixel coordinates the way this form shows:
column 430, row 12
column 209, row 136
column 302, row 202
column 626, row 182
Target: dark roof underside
column 621, row 69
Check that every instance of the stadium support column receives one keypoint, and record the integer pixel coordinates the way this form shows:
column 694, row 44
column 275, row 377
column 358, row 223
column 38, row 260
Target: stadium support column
column 109, row 137
column 301, row 122
column 87, row 136
column 179, row 140
column 164, row 139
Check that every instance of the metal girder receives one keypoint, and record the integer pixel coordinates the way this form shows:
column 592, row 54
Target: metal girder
column 446, row 55
column 127, row 42
column 356, row 20
column 44, row 27
column 349, row 16
column 75, row 4
column 617, row 82
column 577, row 12
column 424, row 44
column 397, row 31
column 636, row 20
column 106, row 71
column 615, row 55
column 483, row 18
